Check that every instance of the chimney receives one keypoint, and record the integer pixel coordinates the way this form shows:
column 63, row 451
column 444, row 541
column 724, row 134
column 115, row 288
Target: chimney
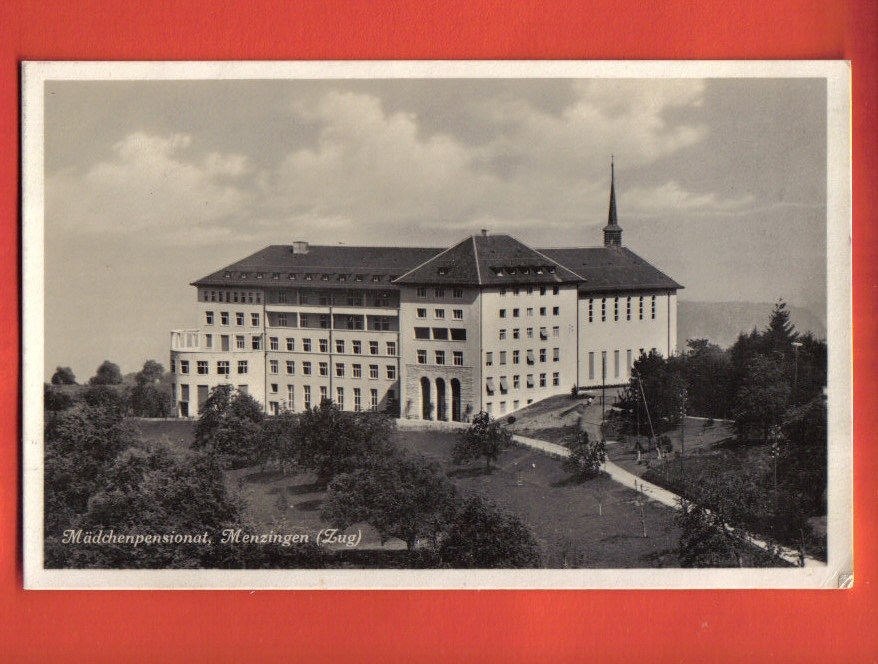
column 484, row 232
column 300, row 247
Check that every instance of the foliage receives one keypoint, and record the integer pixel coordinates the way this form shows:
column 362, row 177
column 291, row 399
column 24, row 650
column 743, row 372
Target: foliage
column 399, row 495
column 803, row 458
column 151, row 372
column 707, row 370
column 63, row 376
column 485, row 437
column 229, row 426
column 107, row 374
column 145, row 398
column 762, row 398
column 55, row 400
column 586, row 457
column 705, row 540
column 330, row 441
column 481, row 536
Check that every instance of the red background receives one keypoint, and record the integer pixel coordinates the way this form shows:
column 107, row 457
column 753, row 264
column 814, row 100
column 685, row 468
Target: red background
column 681, row 626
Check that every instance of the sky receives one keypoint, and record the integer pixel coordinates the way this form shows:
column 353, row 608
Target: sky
column 150, row 185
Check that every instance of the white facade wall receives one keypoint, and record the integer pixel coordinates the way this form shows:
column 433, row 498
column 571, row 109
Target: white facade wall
column 528, row 345
column 612, row 336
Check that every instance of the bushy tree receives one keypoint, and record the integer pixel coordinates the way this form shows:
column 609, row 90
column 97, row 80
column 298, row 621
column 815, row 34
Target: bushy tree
column 485, row 437
column 107, row 374
column 762, row 398
column 802, row 463
column 400, row 495
column 63, row 376
column 228, row 426
column 705, row 539
column 481, row 536
column 55, row 400
column 586, row 457
column 707, row 371
column 151, row 372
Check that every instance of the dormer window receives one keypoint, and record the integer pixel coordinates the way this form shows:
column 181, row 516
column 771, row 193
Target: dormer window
column 227, row 275
column 292, row 276
column 525, row 270
column 538, row 270
column 309, row 277
column 259, row 275
column 376, row 277
column 551, row 269
column 324, row 277
column 511, row 270
column 275, row 276
column 443, row 270
column 342, row 277
column 358, row 277
column 243, row 275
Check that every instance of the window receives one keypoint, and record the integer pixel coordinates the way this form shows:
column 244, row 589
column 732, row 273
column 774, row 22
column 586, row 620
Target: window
column 628, row 359
column 306, row 368
column 542, row 288
column 628, row 308
column 641, row 307
column 291, row 367
column 256, row 342
column 616, row 363
column 457, row 293
column 422, row 312
column 373, row 400
column 201, row 367
column 542, row 380
column 556, row 311
column 516, row 356
column 184, row 366
column 357, row 370
column 282, row 320
column 224, row 317
column 515, row 313
column 603, row 309
column 555, row 289
column 556, row 355
column 391, row 372
column 239, row 318
column 304, row 319
column 357, row 347
column 440, row 357
column 222, row 367
column 323, row 368
column 653, row 307
column 504, row 386
column 358, row 405
column 489, row 358
column 291, row 344
column 272, row 366
column 422, row 357
column 208, row 341
column 457, row 314
column 282, row 297
column 457, row 357
column 515, row 291
column 208, row 318
column 339, row 369
column 173, row 365
column 530, row 357
column 502, row 357
column 440, row 333
column 391, row 348
column 556, row 331
column 273, row 343
column 339, row 345
column 373, row 371
column 502, row 292
column 254, row 320
column 439, row 292
column 556, row 379
column 240, row 342
column 542, row 311
column 489, row 386
column 339, row 397
column 530, row 380
column 516, row 382
column 530, row 289
column 516, row 333
column 439, row 313
column 324, row 345
column 373, row 348
column 458, row 334
column 530, row 333
column 544, row 333
column 324, row 391
column 502, row 335
column 291, row 396
column 616, row 309
column 307, row 397
column 542, row 354
column 590, row 310
column 502, row 313
column 591, row 366
column 422, row 291
column 355, row 299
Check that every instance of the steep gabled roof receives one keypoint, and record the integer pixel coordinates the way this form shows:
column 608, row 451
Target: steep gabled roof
column 366, row 267
column 611, row 269
column 489, row 260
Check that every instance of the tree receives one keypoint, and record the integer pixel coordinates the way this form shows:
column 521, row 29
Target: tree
column 781, row 333
column 63, row 376
column 705, row 540
column 485, row 437
column 586, row 457
column 481, row 536
column 107, row 374
column 55, row 400
column 762, row 398
column 147, row 400
column 229, row 426
column 151, row 372
column 399, row 495
column 707, row 370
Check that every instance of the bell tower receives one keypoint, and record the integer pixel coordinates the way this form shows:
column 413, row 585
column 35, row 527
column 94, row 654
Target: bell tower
column 612, row 231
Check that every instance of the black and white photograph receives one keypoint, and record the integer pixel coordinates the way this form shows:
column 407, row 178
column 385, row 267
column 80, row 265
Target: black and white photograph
column 437, row 325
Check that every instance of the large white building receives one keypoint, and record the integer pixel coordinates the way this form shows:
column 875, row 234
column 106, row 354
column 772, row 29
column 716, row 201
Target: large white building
column 487, row 324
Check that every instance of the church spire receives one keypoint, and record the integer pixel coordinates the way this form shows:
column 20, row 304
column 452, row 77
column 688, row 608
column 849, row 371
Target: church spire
column 612, row 231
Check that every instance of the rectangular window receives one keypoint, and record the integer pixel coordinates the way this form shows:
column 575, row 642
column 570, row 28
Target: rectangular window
column 254, row 320
column 373, row 400
column 357, row 347
column 291, row 344
column 323, row 368
column 556, row 355
column 208, row 317
column 240, row 342
column 239, row 318
column 324, row 345
column 616, row 362
column 457, row 293
column 502, row 357
column 306, row 368
column 291, row 367
column 282, row 320
column 282, row 297
column 603, row 365
column 357, row 370
column 516, row 382
column 556, row 311
column 591, row 366
column 530, row 380
column 439, row 313
column 339, row 345
column 422, row 291
column 516, row 356
column 184, row 366
column 339, row 397
column 628, row 359
column 422, row 357
column 641, row 307
column 504, row 385
column 628, row 308
column 272, row 366
column 502, row 335
column 544, row 333
column 603, row 309
column 304, row 320
column 542, row 354
column 530, row 333
column 224, row 318
column 489, row 359
column 373, row 348
column 358, row 404
column 530, row 312
column 422, row 333
column 307, row 397
column 439, row 292
column 391, row 348
column 339, row 369
column 502, row 313
column 542, row 311
column 542, row 380
column 373, row 371
column 222, row 367
column 556, row 379
column 422, row 312
column 273, row 343
column 555, row 289
column 201, row 367
column 208, row 341
column 458, row 334
column 440, row 333
column 590, row 310
column 556, row 331
column 391, row 372
column 440, row 357
column 515, row 313
column 542, row 288
column 457, row 355
column 324, row 393
column 616, row 309
column 653, row 307
column 457, row 314
column 256, row 342
column 291, row 397
column 224, row 342
column 516, row 333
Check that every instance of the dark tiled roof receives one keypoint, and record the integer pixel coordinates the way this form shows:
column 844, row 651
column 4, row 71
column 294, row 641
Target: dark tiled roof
column 366, row 267
column 489, row 260
column 611, row 269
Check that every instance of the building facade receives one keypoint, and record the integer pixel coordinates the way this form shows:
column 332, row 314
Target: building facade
column 436, row 334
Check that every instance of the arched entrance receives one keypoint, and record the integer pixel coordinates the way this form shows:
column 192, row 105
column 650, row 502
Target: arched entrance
column 455, row 400
column 425, row 399
column 440, row 400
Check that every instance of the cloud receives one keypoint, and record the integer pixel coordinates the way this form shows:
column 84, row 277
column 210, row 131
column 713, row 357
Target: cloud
column 671, row 198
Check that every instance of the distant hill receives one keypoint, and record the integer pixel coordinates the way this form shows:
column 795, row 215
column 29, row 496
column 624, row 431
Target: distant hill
column 721, row 322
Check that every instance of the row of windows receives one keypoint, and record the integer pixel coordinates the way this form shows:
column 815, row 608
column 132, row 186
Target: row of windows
column 336, row 321
column 323, row 392
column 529, row 312
column 244, row 297
column 516, row 356
column 311, row 276
column 616, row 308
column 456, row 293
column 341, row 346
column 489, row 406
column 439, row 314
column 529, row 333
column 440, row 357
column 224, row 318
column 307, row 368
column 603, row 369
column 330, row 298
column 531, row 381
column 441, row 333
column 529, row 290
